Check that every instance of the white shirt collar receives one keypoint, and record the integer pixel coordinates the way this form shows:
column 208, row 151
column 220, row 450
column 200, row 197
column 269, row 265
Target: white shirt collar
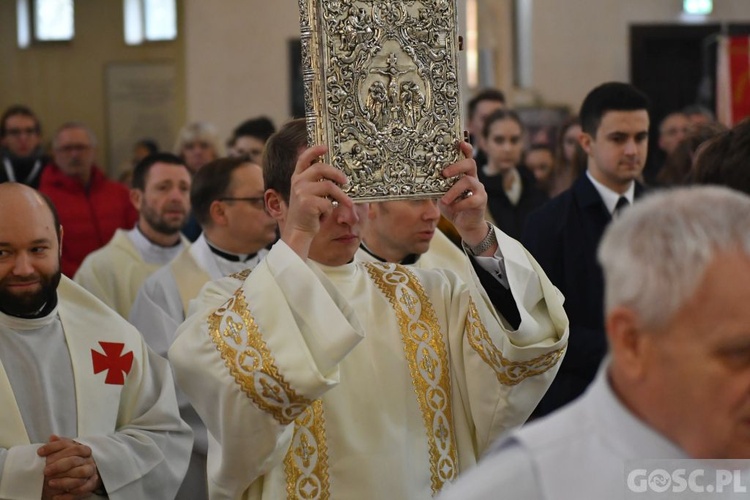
column 151, row 252
column 514, row 193
column 609, row 197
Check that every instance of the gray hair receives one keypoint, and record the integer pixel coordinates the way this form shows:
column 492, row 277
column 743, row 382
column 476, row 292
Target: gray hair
column 656, row 254
column 198, row 131
column 75, row 125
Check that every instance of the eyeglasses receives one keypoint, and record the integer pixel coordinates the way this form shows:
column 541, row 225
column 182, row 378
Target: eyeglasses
column 71, row 148
column 21, row 131
column 256, row 201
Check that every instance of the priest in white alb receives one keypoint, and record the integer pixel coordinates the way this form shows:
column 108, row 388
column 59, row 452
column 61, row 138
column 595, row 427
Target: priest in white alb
column 89, row 411
column 321, row 377
column 161, row 194
column 227, row 200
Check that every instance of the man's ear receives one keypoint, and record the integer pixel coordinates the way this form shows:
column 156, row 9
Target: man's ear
column 275, row 204
column 585, row 141
column 217, row 211
column 136, row 197
column 628, row 343
column 59, row 243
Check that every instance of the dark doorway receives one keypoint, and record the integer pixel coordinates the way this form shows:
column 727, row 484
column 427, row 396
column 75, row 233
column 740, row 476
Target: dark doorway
column 675, row 65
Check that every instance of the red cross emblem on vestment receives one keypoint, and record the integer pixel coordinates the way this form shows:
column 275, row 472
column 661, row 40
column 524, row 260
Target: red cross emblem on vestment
column 117, row 364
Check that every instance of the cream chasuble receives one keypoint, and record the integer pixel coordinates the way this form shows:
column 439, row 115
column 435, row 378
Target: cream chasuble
column 115, row 272
column 160, row 304
column 361, row 381
column 158, row 311
column 125, row 405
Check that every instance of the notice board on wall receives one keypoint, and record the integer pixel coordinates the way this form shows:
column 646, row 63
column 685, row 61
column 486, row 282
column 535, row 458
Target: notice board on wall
column 141, row 103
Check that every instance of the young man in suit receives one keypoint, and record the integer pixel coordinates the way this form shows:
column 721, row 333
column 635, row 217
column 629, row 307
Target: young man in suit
column 564, row 234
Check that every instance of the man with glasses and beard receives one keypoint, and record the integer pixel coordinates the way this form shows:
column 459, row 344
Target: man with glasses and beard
column 89, row 410
column 161, row 194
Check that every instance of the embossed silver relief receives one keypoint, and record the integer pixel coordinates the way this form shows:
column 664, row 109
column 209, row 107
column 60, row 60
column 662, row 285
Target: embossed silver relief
column 381, row 89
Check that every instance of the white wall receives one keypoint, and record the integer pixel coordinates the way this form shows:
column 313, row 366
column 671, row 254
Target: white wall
column 578, row 44
column 237, row 59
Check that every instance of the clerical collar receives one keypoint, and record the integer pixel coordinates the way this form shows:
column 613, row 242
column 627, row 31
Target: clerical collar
column 410, row 259
column 41, row 314
column 231, row 257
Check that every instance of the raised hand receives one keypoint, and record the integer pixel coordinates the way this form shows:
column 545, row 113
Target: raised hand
column 465, row 202
column 314, row 193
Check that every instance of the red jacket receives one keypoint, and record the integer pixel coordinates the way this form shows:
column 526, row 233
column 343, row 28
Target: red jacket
column 89, row 217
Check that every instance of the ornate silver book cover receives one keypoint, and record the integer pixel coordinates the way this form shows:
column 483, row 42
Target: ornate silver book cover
column 382, row 91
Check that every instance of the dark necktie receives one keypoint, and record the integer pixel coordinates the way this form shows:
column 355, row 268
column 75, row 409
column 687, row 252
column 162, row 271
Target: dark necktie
column 622, row 204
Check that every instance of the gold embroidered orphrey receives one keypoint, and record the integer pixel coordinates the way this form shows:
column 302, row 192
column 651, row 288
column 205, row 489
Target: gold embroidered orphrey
column 235, row 334
column 427, row 356
column 306, row 462
column 508, row 372
column 382, row 91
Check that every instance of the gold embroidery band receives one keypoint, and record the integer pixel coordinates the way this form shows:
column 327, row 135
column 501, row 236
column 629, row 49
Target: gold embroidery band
column 508, row 372
column 427, row 356
column 235, row 334
column 306, row 462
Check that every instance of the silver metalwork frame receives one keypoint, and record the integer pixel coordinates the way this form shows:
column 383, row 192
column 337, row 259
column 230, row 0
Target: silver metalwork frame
column 382, row 91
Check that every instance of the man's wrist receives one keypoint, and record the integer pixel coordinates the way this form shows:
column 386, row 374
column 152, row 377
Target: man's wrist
column 489, row 241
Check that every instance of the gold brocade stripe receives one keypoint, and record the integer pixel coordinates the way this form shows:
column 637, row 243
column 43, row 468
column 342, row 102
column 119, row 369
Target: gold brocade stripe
column 306, row 462
column 427, row 356
column 235, row 335
column 508, row 372
column 241, row 275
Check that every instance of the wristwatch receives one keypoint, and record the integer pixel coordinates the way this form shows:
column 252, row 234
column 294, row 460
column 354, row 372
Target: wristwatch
column 483, row 245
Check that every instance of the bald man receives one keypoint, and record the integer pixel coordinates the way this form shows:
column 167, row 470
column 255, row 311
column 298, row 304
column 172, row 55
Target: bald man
column 88, row 408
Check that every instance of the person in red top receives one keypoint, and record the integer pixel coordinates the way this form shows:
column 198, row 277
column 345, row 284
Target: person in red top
column 91, row 207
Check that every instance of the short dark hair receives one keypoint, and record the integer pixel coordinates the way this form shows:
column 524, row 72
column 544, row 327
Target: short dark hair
column 19, row 110
column 280, row 156
column 723, row 160
column 210, row 183
column 485, row 95
column 261, row 128
column 611, row 96
column 149, row 144
column 499, row 115
column 141, row 170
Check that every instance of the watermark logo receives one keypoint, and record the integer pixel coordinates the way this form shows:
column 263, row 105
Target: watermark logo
column 684, row 479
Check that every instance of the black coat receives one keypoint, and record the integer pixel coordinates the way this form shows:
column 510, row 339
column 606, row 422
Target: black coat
column 508, row 217
column 564, row 236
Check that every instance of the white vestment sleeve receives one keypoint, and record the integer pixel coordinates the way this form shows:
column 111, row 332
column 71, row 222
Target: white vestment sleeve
column 154, row 312
column 256, row 363
column 148, row 454
column 502, row 374
column 22, row 475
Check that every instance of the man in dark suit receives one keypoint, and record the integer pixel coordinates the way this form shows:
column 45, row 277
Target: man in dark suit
column 564, row 234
